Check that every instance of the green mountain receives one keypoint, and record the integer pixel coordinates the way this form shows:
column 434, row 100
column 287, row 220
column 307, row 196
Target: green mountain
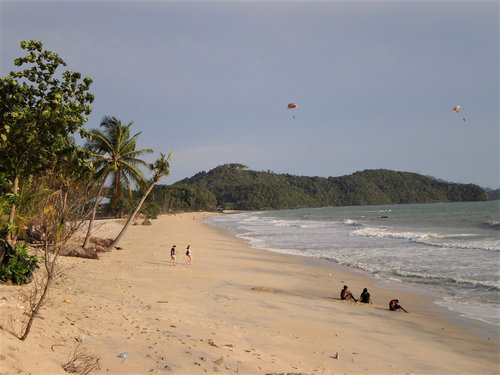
column 493, row 195
column 236, row 187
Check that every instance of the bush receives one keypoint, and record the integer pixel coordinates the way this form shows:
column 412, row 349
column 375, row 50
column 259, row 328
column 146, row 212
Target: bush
column 151, row 210
column 18, row 265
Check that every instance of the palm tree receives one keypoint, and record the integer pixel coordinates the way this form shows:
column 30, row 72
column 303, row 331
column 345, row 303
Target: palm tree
column 114, row 154
column 160, row 168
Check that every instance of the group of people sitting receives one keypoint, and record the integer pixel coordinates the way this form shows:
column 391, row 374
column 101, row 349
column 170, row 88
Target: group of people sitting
column 345, row 294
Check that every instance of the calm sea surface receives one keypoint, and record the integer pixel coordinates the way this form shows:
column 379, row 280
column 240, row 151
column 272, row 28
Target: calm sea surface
column 450, row 250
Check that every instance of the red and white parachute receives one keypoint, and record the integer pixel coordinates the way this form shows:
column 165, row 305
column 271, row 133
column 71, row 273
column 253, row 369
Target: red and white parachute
column 292, row 106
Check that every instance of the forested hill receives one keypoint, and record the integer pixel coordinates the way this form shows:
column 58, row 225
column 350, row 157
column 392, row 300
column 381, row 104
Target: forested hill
column 236, row 187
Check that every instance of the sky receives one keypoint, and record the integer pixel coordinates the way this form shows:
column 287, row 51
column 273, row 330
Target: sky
column 375, row 81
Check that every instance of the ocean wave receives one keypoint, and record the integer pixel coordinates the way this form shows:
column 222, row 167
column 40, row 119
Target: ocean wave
column 457, row 241
column 281, row 223
column 301, row 224
column 350, row 222
column 495, row 225
column 440, row 280
column 250, row 220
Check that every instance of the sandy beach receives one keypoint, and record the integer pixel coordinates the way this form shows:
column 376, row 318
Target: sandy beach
column 235, row 310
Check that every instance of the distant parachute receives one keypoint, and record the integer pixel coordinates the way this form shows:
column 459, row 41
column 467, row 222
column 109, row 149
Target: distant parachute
column 292, row 106
column 457, row 109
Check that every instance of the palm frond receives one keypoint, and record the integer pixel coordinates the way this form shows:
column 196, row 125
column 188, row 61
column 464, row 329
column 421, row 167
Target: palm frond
column 114, row 155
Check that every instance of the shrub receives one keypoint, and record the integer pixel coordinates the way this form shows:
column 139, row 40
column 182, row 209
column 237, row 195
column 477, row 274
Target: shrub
column 18, row 265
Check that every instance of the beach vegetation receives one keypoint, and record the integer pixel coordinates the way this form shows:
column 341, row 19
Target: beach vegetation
column 169, row 198
column 165, row 199
column 44, row 173
column 54, row 213
column 114, row 155
column 39, row 109
column 18, row 265
column 122, row 207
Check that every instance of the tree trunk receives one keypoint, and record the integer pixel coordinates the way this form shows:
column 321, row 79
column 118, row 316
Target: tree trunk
column 131, row 218
column 117, row 192
column 94, row 210
column 12, row 214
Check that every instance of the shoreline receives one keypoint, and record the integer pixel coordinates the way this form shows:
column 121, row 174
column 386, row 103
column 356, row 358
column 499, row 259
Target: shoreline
column 236, row 309
column 484, row 329
column 476, row 326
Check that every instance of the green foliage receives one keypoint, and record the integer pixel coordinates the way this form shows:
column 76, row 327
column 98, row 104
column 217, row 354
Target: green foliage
column 235, row 187
column 18, row 265
column 161, row 167
column 39, row 109
column 122, row 206
column 151, row 210
column 114, row 154
column 4, row 215
column 165, row 198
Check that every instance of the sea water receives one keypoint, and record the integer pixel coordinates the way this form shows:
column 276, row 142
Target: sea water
column 447, row 250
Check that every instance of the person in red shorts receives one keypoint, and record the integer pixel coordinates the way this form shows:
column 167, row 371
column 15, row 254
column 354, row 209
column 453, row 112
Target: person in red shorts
column 394, row 306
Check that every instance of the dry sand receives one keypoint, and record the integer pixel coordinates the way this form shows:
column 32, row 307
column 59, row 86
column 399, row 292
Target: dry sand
column 235, row 310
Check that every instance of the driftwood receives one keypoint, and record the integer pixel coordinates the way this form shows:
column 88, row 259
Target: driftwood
column 97, row 245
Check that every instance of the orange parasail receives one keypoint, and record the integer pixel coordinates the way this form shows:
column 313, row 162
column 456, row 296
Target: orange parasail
column 456, row 109
column 292, row 106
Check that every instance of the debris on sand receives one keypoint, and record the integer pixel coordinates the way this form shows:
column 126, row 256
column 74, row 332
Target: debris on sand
column 263, row 289
column 211, row 343
column 219, row 361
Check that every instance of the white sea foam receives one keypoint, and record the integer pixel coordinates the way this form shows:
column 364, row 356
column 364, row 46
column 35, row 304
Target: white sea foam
column 432, row 239
column 351, row 222
column 431, row 278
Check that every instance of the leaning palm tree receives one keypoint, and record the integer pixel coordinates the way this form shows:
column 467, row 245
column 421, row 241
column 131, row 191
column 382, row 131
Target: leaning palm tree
column 160, row 168
column 114, row 155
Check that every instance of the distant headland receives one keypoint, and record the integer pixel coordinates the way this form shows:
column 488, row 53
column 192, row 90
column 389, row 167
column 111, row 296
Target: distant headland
column 234, row 186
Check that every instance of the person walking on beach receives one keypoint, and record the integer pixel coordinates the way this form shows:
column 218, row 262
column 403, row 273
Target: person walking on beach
column 189, row 255
column 394, row 306
column 172, row 256
column 345, row 294
column 365, row 297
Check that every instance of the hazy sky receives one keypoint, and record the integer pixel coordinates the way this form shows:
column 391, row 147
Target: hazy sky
column 375, row 82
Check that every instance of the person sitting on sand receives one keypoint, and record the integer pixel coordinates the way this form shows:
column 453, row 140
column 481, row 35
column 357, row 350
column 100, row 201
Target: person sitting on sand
column 172, row 256
column 345, row 294
column 394, row 306
column 189, row 255
column 365, row 297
